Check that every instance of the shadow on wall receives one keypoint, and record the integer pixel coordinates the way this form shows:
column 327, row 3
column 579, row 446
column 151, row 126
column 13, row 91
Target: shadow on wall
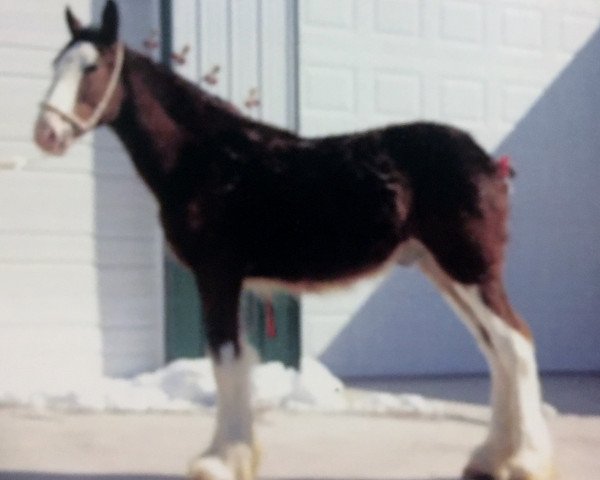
column 553, row 271
column 554, row 268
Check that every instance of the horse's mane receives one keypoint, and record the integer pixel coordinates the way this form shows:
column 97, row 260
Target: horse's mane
column 184, row 101
column 193, row 108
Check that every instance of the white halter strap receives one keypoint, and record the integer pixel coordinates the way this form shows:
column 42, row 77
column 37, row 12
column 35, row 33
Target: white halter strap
column 85, row 125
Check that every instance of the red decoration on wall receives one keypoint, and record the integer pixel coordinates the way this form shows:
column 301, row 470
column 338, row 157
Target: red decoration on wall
column 180, row 58
column 212, row 77
column 152, row 42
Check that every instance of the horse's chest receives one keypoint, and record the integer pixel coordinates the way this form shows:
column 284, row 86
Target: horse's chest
column 184, row 225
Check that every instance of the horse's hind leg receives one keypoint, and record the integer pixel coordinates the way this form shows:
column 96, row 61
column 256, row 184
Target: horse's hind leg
column 518, row 445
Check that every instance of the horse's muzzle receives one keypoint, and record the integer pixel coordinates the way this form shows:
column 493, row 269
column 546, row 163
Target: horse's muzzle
column 52, row 134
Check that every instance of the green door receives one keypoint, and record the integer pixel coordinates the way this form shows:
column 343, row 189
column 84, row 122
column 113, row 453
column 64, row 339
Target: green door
column 184, row 336
column 273, row 326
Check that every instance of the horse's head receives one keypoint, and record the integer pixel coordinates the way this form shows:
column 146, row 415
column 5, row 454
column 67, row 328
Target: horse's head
column 86, row 89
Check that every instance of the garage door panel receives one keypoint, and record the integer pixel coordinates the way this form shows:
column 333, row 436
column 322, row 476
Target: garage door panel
column 403, row 18
column 333, row 14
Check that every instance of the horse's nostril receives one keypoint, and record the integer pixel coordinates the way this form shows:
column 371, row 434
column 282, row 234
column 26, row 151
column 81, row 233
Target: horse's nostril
column 45, row 136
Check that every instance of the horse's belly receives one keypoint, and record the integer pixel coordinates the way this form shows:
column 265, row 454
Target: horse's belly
column 324, row 252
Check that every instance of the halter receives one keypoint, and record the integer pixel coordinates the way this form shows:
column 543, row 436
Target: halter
column 85, row 125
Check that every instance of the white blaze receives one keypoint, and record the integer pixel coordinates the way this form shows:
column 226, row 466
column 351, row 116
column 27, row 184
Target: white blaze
column 62, row 94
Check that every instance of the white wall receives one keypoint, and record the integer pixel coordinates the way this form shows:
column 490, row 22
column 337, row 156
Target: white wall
column 80, row 251
column 481, row 66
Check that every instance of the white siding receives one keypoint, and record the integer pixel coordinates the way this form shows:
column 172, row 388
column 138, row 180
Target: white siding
column 80, row 250
column 481, row 66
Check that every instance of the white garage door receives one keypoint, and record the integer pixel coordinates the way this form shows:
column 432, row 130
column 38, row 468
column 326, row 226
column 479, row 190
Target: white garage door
column 522, row 77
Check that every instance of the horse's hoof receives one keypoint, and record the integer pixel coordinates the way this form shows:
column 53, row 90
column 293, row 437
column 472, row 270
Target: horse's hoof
column 493, row 461
column 470, row 474
column 210, row 468
column 510, row 472
column 235, row 462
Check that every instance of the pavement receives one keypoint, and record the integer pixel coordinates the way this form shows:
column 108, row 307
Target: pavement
column 299, row 446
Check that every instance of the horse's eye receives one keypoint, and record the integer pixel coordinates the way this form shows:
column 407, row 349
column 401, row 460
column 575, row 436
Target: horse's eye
column 90, row 68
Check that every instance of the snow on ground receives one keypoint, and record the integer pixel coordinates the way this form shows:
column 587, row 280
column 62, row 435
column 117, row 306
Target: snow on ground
column 188, row 385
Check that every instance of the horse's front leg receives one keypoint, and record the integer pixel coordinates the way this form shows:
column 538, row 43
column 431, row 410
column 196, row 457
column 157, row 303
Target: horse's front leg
column 233, row 454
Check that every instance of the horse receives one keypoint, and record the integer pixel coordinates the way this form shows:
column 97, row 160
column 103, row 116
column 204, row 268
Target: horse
column 244, row 203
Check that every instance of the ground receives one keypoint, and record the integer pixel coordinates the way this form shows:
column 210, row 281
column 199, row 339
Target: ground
column 299, row 446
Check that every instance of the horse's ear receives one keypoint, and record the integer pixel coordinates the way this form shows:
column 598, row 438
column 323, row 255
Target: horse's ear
column 73, row 23
column 110, row 22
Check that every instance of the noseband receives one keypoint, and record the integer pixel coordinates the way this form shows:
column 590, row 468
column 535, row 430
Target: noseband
column 84, row 125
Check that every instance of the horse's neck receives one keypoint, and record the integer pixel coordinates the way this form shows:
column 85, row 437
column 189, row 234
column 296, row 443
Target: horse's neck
column 160, row 116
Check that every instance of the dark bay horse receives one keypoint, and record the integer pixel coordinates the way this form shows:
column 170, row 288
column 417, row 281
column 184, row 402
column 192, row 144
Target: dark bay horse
column 244, row 202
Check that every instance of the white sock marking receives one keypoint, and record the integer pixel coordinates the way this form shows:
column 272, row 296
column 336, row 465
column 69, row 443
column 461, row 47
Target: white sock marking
column 233, row 454
column 518, row 438
column 234, row 414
